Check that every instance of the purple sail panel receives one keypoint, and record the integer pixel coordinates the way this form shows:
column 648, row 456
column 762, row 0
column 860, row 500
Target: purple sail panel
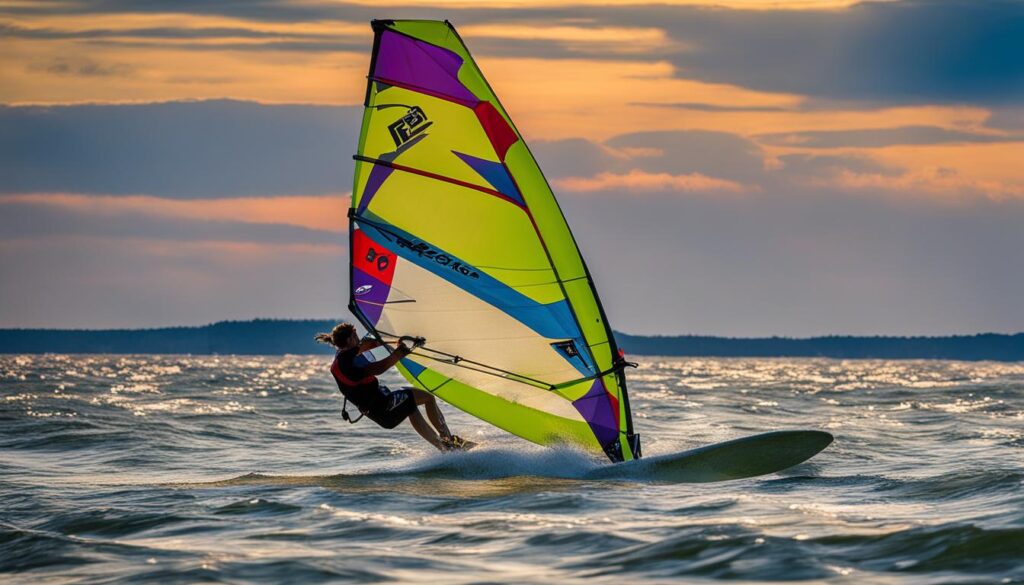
column 370, row 294
column 406, row 61
column 377, row 175
column 495, row 174
column 596, row 408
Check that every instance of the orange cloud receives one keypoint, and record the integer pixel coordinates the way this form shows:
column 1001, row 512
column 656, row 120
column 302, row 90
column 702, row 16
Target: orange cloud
column 944, row 182
column 944, row 171
column 632, row 152
column 127, row 22
column 598, row 99
column 605, row 39
column 314, row 212
column 996, row 162
column 69, row 71
column 636, row 181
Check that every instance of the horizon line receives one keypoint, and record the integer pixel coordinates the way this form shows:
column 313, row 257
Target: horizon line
column 617, row 331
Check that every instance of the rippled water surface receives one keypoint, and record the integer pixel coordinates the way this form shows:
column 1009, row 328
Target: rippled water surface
column 238, row 469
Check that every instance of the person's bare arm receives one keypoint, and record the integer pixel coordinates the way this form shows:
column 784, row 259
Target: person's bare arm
column 379, row 367
column 368, row 344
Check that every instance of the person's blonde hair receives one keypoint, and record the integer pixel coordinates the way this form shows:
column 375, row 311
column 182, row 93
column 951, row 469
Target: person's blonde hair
column 338, row 336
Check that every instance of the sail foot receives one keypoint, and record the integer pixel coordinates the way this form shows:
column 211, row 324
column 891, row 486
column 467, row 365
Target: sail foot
column 614, row 449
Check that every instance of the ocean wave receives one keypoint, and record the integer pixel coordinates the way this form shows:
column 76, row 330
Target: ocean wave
column 257, row 506
column 958, row 485
column 207, row 485
column 949, row 547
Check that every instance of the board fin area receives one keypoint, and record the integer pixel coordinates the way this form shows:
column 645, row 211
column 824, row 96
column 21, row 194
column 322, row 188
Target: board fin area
column 736, row 459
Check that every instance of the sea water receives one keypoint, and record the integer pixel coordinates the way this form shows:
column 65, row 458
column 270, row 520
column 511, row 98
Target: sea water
column 186, row 469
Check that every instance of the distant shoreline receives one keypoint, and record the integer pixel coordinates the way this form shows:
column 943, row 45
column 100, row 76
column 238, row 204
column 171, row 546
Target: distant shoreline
column 278, row 337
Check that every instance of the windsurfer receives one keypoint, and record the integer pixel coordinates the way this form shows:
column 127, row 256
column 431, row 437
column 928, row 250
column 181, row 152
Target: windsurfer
column 357, row 379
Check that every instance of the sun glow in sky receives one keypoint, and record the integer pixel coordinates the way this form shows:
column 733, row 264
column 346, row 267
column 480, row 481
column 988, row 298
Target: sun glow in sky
column 769, row 131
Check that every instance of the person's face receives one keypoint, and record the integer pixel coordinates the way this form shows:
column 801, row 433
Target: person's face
column 353, row 339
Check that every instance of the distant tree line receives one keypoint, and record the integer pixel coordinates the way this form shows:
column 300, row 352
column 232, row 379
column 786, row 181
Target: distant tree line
column 257, row 337
column 276, row 337
column 983, row 346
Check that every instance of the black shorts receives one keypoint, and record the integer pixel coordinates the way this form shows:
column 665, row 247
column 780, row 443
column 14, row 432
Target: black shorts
column 396, row 407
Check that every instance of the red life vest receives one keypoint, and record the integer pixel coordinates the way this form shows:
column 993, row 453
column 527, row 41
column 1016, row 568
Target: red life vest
column 362, row 391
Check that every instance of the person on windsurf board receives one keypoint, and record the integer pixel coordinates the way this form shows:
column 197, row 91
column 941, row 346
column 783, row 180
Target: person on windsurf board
column 357, row 380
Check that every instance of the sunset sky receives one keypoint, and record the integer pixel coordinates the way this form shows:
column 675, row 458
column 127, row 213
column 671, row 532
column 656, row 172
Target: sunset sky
column 736, row 167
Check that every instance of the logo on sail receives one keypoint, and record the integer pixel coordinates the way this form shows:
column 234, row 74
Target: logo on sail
column 382, row 260
column 424, row 250
column 409, row 126
column 363, row 289
column 567, row 347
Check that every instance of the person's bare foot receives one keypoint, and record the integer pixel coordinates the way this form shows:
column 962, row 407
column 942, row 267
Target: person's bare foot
column 456, row 443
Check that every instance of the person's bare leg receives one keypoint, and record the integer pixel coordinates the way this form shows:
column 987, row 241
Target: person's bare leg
column 421, row 426
column 429, row 404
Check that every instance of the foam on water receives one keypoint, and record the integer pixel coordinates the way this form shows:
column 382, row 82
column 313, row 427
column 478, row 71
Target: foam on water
column 202, row 469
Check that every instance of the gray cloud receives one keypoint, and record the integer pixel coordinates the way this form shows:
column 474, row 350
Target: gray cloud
column 1009, row 118
column 83, row 67
column 267, row 10
column 879, row 137
column 152, row 32
column 717, row 154
column 824, row 166
column 909, row 51
column 703, row 107
column 575, row 157
column 178, row 149
column 28, row 220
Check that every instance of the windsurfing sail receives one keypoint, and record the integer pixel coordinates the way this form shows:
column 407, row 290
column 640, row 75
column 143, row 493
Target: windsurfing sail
column 456, row 237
